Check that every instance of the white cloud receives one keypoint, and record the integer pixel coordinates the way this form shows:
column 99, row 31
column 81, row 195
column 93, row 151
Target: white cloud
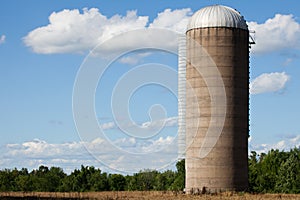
column 171, row 121
column 133, row 59
column 143, row 146
column 175, row 20
column 285, row 145
column 2, row 39
column 158, row 144
column 108, row 125
column 287, row 61
column 280, row 32
column 39, row 148
column 70, row 31
column 271, row 82
column 168, row 122
column 71, row 155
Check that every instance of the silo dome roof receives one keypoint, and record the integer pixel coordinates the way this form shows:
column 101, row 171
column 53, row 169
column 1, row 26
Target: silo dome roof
column 217, row 16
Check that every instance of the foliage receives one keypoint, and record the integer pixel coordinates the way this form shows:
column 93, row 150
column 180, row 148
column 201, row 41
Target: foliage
column 87, row 179
column 275, row 172
column 179, row 181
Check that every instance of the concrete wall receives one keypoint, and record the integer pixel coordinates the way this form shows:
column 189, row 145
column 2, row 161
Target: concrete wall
column 226, row 165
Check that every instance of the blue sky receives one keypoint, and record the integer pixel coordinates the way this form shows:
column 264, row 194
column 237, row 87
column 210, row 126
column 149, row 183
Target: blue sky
column 40, row 59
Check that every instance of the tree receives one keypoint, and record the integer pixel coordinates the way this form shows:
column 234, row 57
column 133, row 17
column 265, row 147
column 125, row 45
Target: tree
column 7, row 180
column 179, row 182
column 146, row 179
column 24, row 181
column 54, row 178
column 131, row 182
column 288, row 179
column 98, row 181
column 164, row 180
column 253, row 171
column 276, row 171
column 117, row 182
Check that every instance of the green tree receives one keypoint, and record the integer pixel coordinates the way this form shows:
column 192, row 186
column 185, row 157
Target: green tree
column 131, row 182
column 98, row 181
column 253, row 172
column 117, row 182
column 146, row 179
column 288, row 179
column 54, row 178
column 268, row 172
column 164, row 180
column 7, row 180
column 39, row 180
column 179, row 182
column 263, row 172
column 24, row 181
column 67, row 184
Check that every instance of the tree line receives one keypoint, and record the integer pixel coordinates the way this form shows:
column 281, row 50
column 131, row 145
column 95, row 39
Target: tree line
column 87, row 178
column 272, row 172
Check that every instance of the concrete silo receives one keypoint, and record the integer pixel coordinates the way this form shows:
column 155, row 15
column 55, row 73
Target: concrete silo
column 217, row 76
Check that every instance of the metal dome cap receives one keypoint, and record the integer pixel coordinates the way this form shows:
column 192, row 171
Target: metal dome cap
column 217, row 16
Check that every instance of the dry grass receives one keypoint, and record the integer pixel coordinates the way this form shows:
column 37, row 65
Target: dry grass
column 137, row 195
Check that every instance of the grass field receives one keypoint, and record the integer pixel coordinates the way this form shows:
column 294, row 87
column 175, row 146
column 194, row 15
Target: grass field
column 142, row 195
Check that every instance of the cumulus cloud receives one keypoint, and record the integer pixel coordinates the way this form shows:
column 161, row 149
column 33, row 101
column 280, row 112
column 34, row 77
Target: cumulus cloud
column 285, row 145
column 167, row 122
column 39, row 148
column 269, row 82
column 108, row 125
column 277, row 33
column 70, row 31
column 71, row 155
column 133, row 59
column 37, row 152
column 2, row 39
column 175, row 20
column 73, row 31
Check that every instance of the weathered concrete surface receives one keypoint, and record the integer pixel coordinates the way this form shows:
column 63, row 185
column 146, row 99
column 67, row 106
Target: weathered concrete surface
column 226, row 166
